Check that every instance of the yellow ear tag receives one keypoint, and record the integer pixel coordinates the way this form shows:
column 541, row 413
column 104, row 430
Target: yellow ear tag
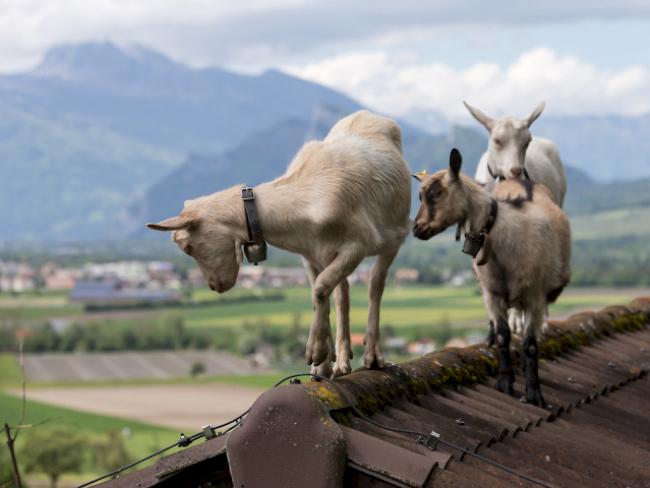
column 420, row 176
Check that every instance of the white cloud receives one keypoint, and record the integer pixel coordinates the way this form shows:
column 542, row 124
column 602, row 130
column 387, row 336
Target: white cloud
column 396, row 84
column 250, row 34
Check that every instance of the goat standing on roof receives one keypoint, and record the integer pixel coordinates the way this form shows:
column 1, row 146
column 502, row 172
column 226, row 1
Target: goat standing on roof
column 522, row 250
column 340, row 200
column 514, row 154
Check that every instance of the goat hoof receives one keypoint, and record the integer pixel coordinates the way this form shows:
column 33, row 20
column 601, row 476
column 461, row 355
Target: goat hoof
column 534, row 397
column 323, row 369
column 504, row 384
column 372, row 361
column 317, row 352
column 341, row 369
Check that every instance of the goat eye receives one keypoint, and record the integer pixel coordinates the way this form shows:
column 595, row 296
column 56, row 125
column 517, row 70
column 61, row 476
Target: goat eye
column 497, row 141
column 187, row 249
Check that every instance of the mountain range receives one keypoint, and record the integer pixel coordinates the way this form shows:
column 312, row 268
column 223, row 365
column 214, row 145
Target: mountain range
column 98, row 139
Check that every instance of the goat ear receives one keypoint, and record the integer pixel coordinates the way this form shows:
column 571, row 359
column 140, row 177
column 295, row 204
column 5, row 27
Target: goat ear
column 488, row 122
column 455, row 162
column 173, row 223
column 536, row 113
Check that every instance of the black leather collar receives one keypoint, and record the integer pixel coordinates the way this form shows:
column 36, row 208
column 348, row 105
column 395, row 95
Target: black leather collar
column 474, row 243
column 255, row 248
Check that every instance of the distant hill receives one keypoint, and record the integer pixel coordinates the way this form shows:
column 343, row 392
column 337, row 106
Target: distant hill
column 605, row 147
column 94, row 125
column 99, row 139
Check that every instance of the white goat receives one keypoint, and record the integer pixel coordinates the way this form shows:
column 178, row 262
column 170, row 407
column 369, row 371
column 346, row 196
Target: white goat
column 512, row 153
column 523, row 255
column 340, row 200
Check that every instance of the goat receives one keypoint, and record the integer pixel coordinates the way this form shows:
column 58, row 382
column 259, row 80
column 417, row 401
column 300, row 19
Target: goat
column 523, row 261
column 340, row 200
column 513, row 153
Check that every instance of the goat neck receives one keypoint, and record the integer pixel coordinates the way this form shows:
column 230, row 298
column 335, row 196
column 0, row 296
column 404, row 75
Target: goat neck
column 479, row 202
column 278, row 207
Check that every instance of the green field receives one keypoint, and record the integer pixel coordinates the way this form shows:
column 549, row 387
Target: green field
column 143, row 439
column 402, row 307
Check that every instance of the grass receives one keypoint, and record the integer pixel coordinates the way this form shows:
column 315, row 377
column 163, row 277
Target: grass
column 611, row 223
column 144, row 438
column 9, row 369
column 402, row 307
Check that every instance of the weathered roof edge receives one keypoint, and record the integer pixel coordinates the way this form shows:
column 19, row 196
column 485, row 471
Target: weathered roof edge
column 373, row 389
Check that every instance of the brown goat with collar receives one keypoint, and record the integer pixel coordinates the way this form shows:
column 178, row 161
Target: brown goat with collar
column 529, row 260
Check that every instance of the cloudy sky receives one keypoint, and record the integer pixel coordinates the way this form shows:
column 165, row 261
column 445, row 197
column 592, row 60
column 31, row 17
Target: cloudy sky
column 581, row 56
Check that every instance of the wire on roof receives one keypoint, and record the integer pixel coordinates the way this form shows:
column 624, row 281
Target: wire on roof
column 421, row 437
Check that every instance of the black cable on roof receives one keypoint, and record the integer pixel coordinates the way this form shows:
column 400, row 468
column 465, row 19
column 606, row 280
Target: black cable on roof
column 422, row 437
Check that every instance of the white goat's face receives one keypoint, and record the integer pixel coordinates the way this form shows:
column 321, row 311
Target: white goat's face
column 509, row 140
column 209, row 242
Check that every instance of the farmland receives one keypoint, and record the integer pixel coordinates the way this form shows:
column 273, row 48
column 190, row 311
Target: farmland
column 402, row 307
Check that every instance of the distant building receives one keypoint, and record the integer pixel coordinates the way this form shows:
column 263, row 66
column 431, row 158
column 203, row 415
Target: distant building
column 421, row 347
column 113, row 292
column 404, row 276
column 56, row 278
column 396, row 344
column 16, row 277
column 260, row 276
column 357, row 339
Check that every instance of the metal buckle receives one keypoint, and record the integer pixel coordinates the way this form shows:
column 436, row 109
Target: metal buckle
column 247, row 193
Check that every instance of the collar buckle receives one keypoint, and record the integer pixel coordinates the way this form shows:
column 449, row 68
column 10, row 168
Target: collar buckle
column 247, row 193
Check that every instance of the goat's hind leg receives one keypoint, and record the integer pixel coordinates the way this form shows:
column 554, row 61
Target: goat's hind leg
column 373, row 356
column 343, row 346
column 533, row 324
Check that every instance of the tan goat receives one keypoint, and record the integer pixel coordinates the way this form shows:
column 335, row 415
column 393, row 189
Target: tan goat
column 340, row 200
column 524, row 248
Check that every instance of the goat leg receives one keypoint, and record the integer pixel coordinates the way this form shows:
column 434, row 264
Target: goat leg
column 506, row 375
column 492, row 336
column 533, row 390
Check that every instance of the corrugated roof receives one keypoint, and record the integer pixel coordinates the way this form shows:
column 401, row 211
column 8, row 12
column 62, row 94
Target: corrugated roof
column 595, row 432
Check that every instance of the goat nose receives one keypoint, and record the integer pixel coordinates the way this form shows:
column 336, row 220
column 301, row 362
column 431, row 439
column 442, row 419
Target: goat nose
column 211, row 286
column 516, row 171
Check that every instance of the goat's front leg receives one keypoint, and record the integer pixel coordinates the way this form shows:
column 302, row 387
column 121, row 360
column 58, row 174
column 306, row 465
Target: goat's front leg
column 341, row 266
column 533, row 326
column 325, row 368
column 497, row 309
column 343, row 346
column 373, row 356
